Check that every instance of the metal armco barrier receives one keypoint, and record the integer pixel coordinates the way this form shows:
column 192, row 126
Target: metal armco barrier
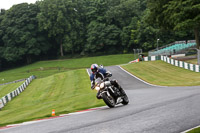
column 4, row 100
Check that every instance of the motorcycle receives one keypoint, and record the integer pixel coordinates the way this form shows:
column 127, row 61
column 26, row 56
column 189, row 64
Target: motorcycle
column 111, row 95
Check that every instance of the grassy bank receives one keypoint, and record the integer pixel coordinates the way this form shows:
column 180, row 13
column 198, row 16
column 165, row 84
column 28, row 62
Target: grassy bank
column 65, row 92
column 46, row 68
column 61, row 85
column 5, row 89
column 69, row 89
column 197, row 130
column 161, row 73
column 193, row 61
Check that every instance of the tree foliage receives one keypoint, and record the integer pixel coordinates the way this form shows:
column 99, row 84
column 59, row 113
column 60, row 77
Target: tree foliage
column 53, row 28
column 177, row 15
column 20, row 34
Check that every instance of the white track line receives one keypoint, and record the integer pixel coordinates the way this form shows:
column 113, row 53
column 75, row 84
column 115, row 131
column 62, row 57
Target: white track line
column 190, row 129
column 132, row 76
column 154, row 85
column 50, row 118
column 139, row 78
column 84, row 111
column 88, row 72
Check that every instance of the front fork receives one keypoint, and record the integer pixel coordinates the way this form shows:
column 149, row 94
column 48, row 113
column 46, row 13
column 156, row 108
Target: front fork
column 109, row 92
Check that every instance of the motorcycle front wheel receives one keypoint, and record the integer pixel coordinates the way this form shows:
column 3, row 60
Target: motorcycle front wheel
column 109, row 100
column 125, row 98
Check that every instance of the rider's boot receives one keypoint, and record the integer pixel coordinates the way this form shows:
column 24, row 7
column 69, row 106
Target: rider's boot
column 115, row 83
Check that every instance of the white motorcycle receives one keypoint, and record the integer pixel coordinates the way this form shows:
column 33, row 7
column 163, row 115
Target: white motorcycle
column 110, row 94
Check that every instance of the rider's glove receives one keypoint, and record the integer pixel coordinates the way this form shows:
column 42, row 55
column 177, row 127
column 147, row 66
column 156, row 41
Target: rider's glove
column 108, row 74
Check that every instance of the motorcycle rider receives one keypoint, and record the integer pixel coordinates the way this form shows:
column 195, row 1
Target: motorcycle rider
column 103, row 74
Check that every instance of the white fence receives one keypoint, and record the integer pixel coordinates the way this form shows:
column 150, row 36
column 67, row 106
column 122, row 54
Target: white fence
column 182, row 64
column 4, row 100
column 192, row 67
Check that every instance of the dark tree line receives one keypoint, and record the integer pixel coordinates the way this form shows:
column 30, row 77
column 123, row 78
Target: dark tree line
column 177, row 15
column 52, row 28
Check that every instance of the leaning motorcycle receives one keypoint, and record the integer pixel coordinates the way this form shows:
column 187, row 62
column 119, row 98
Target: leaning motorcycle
column 110, row 94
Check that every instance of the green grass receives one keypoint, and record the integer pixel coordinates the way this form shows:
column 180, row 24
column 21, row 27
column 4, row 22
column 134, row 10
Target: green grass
column 46, row 68
column 5, row 89
column 68, row 90
column 193, row 61
column 161, row 73
column 197, row 130
column 65, row 92
column 62, row 85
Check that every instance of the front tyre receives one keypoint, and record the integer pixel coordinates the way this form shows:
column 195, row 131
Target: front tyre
column 109, row 100
column 125, row 98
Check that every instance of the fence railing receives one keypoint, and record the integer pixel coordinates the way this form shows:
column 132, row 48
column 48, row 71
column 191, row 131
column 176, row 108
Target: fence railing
column 4, row 100
column 173, row 48
column 182, row 64
column 12, row 82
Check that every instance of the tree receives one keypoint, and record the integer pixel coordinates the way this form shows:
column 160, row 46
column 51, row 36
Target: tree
column 176, row 15
column 55, row 17
column 2, row 13
column 95, row 37
column 21, row 36
column 75, row 38
column 102, row 37
column 121, row 15
column 126, row 15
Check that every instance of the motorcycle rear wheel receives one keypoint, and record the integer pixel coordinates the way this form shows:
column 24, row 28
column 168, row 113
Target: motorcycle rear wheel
column 109, row 100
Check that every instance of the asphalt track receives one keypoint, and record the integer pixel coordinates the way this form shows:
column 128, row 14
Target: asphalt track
column 151, row 109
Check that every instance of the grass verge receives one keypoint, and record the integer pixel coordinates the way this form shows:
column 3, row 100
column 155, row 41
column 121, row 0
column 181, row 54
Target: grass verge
column 193, row 61
column 5, row 89
column 46, row 68
column 65, row 92
column 197, row 130
column 70, row 91
column 164, row 74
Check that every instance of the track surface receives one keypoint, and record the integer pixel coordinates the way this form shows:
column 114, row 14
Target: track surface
column 151, row 110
